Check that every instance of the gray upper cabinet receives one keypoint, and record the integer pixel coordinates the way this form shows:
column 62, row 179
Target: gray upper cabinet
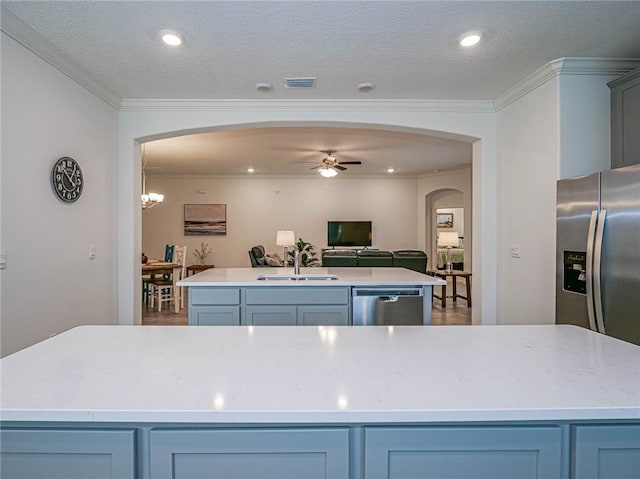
column 625, row 120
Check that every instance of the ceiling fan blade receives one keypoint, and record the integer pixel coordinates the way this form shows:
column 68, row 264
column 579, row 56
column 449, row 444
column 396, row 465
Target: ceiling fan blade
column 338, row 167
column 349, row 162
column 316, row 167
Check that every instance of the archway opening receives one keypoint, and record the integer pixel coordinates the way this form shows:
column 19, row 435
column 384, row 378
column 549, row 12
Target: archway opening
column 346, row 126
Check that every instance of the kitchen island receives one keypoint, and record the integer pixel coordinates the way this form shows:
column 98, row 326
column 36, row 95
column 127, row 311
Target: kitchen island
column 322, row 402
column 277, row 297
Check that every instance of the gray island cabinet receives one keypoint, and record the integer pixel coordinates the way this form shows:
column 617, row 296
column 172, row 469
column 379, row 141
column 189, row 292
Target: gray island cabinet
column 236, row 297
column 330, row 402
column 269, row 306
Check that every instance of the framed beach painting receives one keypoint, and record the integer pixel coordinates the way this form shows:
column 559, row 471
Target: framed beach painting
column 444, row 220
column 205, row 220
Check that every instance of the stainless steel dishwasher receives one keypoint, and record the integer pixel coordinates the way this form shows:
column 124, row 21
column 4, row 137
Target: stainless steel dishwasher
column 387, row 306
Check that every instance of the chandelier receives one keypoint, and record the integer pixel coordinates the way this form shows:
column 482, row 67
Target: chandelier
column 148, row 200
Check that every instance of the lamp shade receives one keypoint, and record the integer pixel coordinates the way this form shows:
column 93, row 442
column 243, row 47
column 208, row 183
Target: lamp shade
column 285, row 238
column 448, row 239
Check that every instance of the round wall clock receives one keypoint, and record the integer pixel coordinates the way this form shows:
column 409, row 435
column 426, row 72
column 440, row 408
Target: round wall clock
column 66, row 179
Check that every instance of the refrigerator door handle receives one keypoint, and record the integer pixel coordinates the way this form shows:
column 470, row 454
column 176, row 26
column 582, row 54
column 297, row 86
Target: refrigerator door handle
column 589, row 269
column 597, row 257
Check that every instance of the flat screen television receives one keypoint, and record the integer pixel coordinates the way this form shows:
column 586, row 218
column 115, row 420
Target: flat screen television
column 349, row 233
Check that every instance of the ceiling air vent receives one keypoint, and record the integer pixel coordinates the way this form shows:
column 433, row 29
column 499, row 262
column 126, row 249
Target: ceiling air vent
column 299, row 82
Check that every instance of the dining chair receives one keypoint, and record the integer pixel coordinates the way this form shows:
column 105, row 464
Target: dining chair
column 163, row 290
column 146, row 279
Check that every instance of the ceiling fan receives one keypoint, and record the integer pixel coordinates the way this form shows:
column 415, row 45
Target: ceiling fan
column 330, row 165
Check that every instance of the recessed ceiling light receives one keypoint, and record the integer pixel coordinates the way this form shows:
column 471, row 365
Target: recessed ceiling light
column 250, row 170
column 264, row 87
column 470, row 39
column 390, row 170
column 171, row 37
column 365, row 87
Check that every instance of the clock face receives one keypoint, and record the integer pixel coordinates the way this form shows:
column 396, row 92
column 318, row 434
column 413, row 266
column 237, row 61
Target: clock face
column 66, row 179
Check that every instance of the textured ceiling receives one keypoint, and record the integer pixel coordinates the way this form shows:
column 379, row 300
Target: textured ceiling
column 408, row 50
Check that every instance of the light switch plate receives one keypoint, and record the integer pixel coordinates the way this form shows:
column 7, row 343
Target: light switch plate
column 515, row 250
column 92, row 252
column 3, row 259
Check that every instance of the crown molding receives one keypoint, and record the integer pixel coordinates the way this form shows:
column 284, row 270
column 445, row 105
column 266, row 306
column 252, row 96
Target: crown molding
column 566, row 66
column 306, row 105
column 27, row 37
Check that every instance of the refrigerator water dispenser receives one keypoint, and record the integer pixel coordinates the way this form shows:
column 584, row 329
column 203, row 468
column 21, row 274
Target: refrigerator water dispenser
column 575, row 278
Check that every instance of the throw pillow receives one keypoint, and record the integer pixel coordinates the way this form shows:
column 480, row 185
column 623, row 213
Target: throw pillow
column 271, row 261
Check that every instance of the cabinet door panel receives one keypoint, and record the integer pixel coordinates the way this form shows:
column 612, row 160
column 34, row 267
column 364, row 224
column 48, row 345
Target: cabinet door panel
column 214, row 315
column 323, row 315
column 607, row 452
column 271, row 315
column 214, row 296
column 67, row 454
column 297, row 295
column 463, row 453
column 250, row 454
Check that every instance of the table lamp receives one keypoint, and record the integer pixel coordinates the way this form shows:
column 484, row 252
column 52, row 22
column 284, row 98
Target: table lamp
column 448, row 240
column 285, row 238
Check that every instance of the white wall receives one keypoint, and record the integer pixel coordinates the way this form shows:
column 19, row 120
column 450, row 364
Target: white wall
column 259, row 206
column 557, row 130
column 50, row 285
column 528, row 155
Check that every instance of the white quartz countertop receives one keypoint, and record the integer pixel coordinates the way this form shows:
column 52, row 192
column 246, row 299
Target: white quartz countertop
column 346, row 277
column 305, row 374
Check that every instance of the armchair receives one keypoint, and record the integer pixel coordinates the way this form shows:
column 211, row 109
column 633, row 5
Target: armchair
column 257, row 257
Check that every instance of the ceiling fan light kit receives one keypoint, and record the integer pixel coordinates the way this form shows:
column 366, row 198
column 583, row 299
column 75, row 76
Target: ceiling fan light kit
column 330, row 166
column 328, row 172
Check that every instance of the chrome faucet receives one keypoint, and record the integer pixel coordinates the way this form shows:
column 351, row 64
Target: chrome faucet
column 296, row 262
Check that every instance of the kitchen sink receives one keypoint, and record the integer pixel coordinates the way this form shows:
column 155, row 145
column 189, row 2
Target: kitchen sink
column 297, row 277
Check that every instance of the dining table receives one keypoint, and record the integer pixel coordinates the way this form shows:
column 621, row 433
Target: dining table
column 153, row 268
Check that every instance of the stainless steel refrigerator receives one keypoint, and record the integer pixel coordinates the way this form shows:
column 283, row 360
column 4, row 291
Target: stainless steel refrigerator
column 598, row 252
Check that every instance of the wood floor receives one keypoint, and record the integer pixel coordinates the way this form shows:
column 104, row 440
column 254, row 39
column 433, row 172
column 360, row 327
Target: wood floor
column 454, row 314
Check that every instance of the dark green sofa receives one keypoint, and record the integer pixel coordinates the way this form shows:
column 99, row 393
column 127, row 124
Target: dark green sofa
column 340, row 258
